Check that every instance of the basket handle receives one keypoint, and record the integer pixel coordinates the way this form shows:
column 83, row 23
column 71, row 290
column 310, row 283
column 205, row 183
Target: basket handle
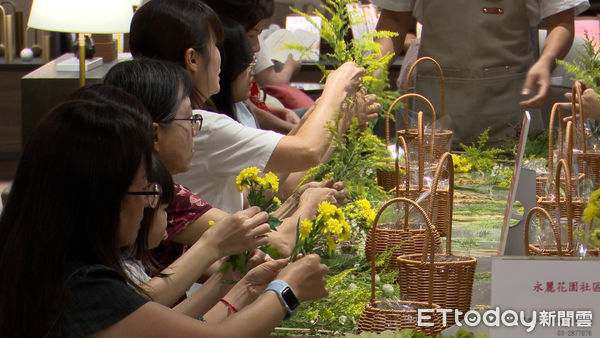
column 446, row 158
column 400, row 140
column 562, row 164
column 554, row 229
column 576, row 99
column 442, row 87
column 555, row 108
column 429, row 234
column 398, row 99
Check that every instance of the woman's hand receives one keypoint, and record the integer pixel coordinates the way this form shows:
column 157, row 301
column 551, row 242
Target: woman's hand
column 306, row 276
column 365, row 107
column 257, row 279
column 244, row 230
column 347, row 78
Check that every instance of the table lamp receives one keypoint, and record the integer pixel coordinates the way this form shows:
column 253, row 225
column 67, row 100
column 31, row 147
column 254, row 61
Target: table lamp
column 81, row 16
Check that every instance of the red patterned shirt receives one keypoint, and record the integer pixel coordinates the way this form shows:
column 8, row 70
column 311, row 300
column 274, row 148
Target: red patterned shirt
column 181, row 212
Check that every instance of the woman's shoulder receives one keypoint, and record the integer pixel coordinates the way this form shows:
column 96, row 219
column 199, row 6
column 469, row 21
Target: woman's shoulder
column 97, row 297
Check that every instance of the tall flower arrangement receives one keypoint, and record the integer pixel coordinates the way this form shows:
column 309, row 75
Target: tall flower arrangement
column 329, row 228
column 258, row 187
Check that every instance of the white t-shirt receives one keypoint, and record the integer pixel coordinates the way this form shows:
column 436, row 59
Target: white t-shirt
column 536, row 9
column 244, row 115
column 135, row 270
column 222, row 149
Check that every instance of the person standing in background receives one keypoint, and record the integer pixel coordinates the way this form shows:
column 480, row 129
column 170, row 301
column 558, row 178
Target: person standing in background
column 488, row 53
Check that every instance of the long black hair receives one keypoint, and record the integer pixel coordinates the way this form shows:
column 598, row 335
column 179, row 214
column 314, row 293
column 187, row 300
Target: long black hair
column 247, row 12
column 237, row 56
column 159, row 174
column 64, row 206
column 166, row 29
column 155, row 83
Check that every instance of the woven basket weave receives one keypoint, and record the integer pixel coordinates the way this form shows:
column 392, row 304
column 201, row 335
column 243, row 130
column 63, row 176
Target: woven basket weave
column 452, row 278
column 535, row 249
column 403, row 239
column 378, row 316
column 557, row 207
column 443, row 137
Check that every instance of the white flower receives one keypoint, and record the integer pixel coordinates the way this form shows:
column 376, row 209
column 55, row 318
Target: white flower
column 388, row 290
column 352, row 286
column 377, row 279
column 342, row 319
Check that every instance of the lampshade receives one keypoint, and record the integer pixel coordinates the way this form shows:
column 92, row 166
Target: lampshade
column 81, row 16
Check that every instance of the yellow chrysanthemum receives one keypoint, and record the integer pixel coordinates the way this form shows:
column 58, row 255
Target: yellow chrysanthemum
column 595, row 196
column 363, row 204
column 305, row 228
column 211, row 223
column 595, row 237
column 331, row 244
column 260, row 181
column 273, row 181
column 248, row 174
column 368, row 215
column 276, row 200
column 327, row 210
column 334, row 227
column 345, row 233
column 591, row 211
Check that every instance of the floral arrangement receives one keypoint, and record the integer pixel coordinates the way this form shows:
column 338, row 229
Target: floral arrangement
column 590, row 214
column 360, row 213
column 357, row 156
column 335, row 27
column 330, row 227
column 257, row 188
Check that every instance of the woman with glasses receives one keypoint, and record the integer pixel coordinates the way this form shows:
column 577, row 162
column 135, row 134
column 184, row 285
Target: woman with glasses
column 237, row 64
column 78, row 198
column 189, row 216
column 187, row 32
column 231, row 234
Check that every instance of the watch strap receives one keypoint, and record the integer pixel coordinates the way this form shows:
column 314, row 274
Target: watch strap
column 278, row 286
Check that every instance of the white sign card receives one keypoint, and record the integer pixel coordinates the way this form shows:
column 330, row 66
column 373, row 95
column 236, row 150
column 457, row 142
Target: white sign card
column 559, row 297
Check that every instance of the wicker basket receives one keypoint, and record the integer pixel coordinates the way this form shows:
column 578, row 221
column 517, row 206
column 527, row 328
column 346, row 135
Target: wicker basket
column 443, row 137
column 402, row 238
column 536, row 250
column 541, row 181
column 387, row 179
column 452, row 281
column 378, row 316
column 588, row 163
column 557, row 206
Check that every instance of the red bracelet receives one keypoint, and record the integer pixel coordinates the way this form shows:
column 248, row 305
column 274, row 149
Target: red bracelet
column 230, row 307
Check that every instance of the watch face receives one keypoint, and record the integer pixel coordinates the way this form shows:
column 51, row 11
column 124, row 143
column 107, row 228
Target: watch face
column 290, row 299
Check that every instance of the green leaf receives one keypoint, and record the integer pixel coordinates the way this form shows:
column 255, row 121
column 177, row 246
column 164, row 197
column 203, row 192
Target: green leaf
column 273, row 222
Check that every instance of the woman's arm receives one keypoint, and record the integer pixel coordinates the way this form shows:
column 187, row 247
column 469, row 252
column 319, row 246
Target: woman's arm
column 306, row 277
column 266, row 120
column 305, row 149
column 244, row 230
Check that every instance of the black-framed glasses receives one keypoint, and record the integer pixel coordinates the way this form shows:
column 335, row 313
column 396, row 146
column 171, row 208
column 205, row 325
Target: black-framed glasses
column 152, row 193
column 196, row 121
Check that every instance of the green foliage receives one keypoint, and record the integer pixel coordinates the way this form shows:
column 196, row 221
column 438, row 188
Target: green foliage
column 335, row 26
column 409, row 333
column 480, row 158
column 586, row 66
column 537, row 143
column 349, row 291
column 358, row 154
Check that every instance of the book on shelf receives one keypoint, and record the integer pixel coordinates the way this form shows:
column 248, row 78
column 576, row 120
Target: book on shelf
column 72, row 64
